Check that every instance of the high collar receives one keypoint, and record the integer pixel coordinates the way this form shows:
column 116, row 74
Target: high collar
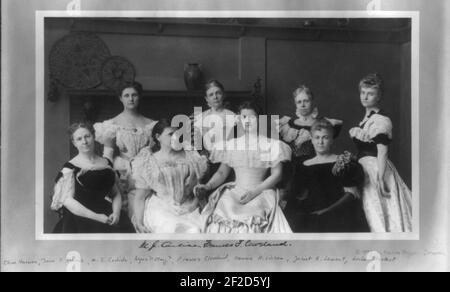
column 314, row 114
column 373, row 113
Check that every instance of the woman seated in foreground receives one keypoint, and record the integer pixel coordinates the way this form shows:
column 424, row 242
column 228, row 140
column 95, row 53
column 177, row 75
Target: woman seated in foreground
column 165, row 179
column 250, row 204
column 325, row 196
column 86, row 194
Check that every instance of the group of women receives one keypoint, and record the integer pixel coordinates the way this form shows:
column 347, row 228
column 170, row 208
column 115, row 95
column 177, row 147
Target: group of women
column 238, row 184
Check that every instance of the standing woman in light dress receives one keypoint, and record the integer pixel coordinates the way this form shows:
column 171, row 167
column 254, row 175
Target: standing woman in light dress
column 387, row 200
column 124, row 136
column 250, row 204
column 165, row 179
column 217, row 123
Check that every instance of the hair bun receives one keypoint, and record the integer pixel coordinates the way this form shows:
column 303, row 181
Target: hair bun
column 373, row 80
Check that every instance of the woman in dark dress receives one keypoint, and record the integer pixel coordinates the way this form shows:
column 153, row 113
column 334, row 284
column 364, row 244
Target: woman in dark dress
column 325, row 197
column 295, row 131
column 86, row 194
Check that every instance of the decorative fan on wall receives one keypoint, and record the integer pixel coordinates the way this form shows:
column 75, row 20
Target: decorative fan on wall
column 116, row 72
column 76, row 60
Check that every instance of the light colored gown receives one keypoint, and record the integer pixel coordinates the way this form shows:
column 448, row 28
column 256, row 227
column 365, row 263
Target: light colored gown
column 129, row 141
column 224, row 212
column 215, row 128
column 384, row 212
column 172, row 207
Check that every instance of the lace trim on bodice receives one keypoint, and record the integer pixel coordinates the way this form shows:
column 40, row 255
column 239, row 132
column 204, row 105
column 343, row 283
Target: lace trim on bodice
column 174, row 179
column 129, row 140
column 266, row 153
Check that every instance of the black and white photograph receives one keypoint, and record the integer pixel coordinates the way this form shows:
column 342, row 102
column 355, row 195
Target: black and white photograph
column 335, row 87
column 159, row 138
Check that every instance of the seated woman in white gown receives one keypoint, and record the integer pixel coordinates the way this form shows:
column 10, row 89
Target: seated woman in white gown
column 250, row 204
column 165, row 179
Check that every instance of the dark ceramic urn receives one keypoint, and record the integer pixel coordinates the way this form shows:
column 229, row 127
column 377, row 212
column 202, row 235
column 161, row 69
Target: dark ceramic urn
column 193, row 76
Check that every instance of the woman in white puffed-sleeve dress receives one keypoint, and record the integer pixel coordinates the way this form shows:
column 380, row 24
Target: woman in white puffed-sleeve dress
column 165, row 179
column 123, row 137
column 250, row 204
column 387, row 201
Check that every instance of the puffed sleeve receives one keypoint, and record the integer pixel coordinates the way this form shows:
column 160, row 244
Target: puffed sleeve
column 219, row 155
column 105, row 130
column 380, row 129
column 199, row 162
column 282, row 122
column 287, row 133
column 231, row 119
column 64, row 188
column 279, row 152
column 149, row 131
column 142, row 169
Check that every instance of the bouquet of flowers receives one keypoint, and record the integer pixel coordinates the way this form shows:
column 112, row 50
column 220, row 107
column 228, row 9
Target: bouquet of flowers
column 343, row 163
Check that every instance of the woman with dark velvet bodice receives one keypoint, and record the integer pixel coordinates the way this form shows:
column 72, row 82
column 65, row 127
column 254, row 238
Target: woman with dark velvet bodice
column 86, row 195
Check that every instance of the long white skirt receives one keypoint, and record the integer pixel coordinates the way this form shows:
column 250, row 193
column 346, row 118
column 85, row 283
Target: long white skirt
column 225, row 214
column 161, row 217
column 391, row 213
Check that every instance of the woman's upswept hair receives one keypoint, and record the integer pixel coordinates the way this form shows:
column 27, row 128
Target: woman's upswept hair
column 214, row 83
column 158, row 130
column 250, row 105
column 322, row 124
column 80, row 125
column 373, row 80
column 134, row 84
column 303, row 88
